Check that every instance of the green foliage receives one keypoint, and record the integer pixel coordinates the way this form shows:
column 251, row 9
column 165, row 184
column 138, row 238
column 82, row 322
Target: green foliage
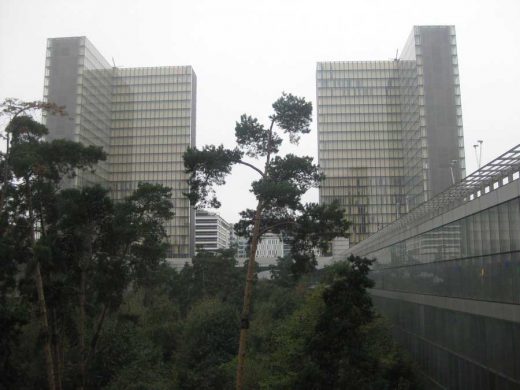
column 335, row 340
column 293, row 115
column 282, row 182
column 31, row 156
column 311, row 227
column 287, row 179
column 208, row 167
column 31, row 172
column 212, row 274
column 348, row 309
column 209, row 340
column 14, row 314
column 138, row 344
column 315, row 228
column 91, row 254
column 253, row 139
column 282, row 273
column 25, row 129
column 289, row 355
column 146, row 325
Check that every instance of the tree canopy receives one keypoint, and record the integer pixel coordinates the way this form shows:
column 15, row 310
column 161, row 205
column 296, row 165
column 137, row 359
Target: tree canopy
column 71, row 253
column 281, row 183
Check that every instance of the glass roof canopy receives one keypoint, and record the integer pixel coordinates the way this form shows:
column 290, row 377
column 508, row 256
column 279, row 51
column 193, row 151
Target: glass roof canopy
column 495, row 174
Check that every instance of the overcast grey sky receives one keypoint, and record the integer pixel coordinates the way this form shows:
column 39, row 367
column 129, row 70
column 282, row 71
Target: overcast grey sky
column 245, row 53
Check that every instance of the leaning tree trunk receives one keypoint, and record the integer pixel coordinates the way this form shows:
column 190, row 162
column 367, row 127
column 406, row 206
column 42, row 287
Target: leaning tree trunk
column 248, row 291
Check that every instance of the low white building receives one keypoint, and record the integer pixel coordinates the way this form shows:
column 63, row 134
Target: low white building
column 212, row 232
column 269, row 249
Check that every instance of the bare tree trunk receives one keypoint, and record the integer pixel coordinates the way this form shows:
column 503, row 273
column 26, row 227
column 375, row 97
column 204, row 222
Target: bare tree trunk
column 44, row 318
column 82, row 298
column 97, row 332
column 56, row 348
column 49, row 363
column 6, row 172
column 61, row 357
column 248, row 291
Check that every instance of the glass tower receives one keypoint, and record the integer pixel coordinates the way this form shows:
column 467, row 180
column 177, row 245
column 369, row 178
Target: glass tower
column 79, row 78
column 144, row 118
column 390, row 132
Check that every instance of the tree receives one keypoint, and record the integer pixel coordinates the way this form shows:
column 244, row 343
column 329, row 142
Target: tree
column 282, row 182
column 82, row 250
column 98, row 250
column 336, row 341
column 212, row 274
column 208, row 342
column 32, row 170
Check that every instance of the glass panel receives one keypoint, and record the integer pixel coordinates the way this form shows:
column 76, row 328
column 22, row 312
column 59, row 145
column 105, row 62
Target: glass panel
column 503, row 217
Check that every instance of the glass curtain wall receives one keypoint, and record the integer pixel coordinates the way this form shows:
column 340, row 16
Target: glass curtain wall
column 359, row 141
column 152, row 126
column 476, row 257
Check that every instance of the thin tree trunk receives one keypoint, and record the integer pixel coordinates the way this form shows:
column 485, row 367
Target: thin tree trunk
column 248, row 291
column 56, row 348
column 61, row 357
column 6, row 172
column 49, row 361
column 45, row 327
column 97, row 332
column 82, row 298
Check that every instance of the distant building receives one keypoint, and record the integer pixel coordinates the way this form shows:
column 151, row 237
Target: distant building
column 390, row 132
column 240, row 244
column 269, row 249
column 270, row 246
column 212, row 232
column 144, row 118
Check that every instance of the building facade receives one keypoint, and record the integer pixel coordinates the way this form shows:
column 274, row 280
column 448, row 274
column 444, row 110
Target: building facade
column 212, row 232
column 447, row 276
column 270, row 247
column 144, row 118
column 390, row 132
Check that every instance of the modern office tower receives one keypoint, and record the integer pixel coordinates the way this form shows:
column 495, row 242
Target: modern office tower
column 79, row 78
column 144, row 118
column 390, row 132
column 212, row 232
column 153, row 122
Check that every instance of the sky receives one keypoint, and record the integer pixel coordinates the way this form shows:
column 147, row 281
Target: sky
column 245, row 53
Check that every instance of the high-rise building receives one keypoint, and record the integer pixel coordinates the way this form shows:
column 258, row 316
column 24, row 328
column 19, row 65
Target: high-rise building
column 212, row 232
column 390, row 132
column 144, row 118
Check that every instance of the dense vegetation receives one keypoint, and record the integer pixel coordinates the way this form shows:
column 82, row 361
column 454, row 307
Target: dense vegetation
column 87, row 300
column 180, row 333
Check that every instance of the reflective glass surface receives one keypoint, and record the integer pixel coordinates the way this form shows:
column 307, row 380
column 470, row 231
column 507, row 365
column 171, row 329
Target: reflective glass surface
column 143, row 118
